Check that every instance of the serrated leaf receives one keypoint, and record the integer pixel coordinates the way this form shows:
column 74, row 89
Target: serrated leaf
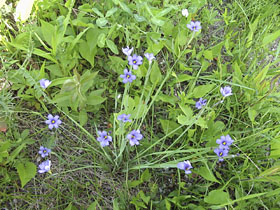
column 26, row 172
column 201, row 122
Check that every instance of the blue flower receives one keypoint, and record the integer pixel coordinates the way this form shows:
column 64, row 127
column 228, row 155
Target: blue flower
column 150, row 57
column 104, row 138
column 224, row 142
column 44, row 151
column 124, row 118
column 226, row 91
column 134, row 137
column 194, row 26
column 127, row 76
column 200, row 103
column 135, row 61
column 45, row 83
column 53, row 121
column 127, row 51
column 221, row 153
column 45, row 167
column 186, row 166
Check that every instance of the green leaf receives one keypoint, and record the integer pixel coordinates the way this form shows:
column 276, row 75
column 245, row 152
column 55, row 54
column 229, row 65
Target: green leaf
column 157, row 21
column 146, row 176
column 275, row 148
column 207, row 174
column 201, row 122
column 155, row 75
column 93, row 206
column 112, row 46
column 83, row 117
column 125, row 7
column 202, row 90
column 96, row 11
column 101, row 40
column 271, row 37
column 217, row 197
column 111, row 12
column 145, row 198
column 94, row 98
column 208, row 54
column 26, row 172
column 169, row 126
column 101, row 22
column 184, row 120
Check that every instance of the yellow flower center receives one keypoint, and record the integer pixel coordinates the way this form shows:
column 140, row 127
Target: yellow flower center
column 224, row 143
column 53, row 121
column 134, row 61
column 105, row 137
column 221, row 153
column 127, row 76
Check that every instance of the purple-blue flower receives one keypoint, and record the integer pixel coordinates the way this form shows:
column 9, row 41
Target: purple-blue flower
column 226, row 91
column 53, row 121
column 186, row 166
column 127, row 51
column 127, row 76
column 225, row 142
column 44, row 151
column 45, row 166
column 134, row 137
column 194, row 26
column 221, row 153
column 200, row 103
column 104, row 138
column 45, row 83
column 150, row 57
column 124, row 118
column 135, row 61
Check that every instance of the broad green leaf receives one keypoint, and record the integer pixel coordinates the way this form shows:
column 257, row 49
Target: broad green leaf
column 201, row 122
column 83, row 118
column 96, row 11
column 145, row 198
column 112, row 46
column 168, row 126
column 111, row 12
column 186, row 109
column 125, row 7
column 271, row 37
column 26, row 172
column 207, row 174
column 202, row 90
column 101, row 22
column 275, row 148
column 95, row 99
column 252, row 113
column 208, row 54
column 217, row 197
column 157, row 21
column 146, row 176
column 155, row 75
column 93, row 206
column 101, row 40
column 184, row 120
